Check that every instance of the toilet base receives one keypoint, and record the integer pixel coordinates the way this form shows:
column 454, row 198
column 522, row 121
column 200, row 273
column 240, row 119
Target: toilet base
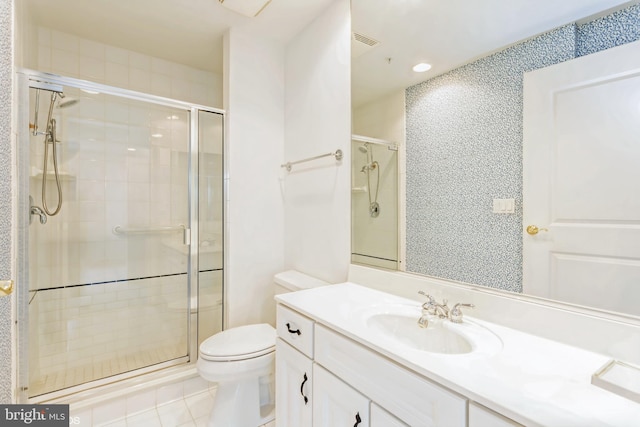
column 237, row 403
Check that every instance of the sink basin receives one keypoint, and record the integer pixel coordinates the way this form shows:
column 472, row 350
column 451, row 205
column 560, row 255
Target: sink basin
column 399, row 324
column 439, row 337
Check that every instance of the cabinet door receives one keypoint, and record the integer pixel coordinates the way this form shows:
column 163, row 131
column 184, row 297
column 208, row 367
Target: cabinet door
column 381, row 418
column 479, row 416
column 335, row 403
column 293, row 386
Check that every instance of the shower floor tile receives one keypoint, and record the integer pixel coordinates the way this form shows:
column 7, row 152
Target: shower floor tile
column 74, row 376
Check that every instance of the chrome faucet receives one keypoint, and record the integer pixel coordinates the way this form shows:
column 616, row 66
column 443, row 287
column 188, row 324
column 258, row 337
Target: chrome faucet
column 442, row 311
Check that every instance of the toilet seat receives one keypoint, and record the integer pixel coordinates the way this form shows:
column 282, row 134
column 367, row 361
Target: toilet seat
column 240, row 343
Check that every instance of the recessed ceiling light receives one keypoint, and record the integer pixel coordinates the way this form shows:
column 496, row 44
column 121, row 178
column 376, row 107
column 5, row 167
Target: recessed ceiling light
column 131, row 149
column 173, row 117
column 156, row 135
column 421, row 67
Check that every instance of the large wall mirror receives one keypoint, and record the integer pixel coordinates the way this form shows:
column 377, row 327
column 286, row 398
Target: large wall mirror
column 511, row 160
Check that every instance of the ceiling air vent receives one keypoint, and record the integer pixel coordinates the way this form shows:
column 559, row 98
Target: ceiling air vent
column 361, row 44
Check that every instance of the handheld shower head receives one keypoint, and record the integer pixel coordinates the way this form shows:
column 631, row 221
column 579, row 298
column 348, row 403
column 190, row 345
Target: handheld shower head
column 66, row 102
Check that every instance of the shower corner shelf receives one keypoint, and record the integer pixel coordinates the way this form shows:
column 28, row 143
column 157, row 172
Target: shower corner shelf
column 63, row 176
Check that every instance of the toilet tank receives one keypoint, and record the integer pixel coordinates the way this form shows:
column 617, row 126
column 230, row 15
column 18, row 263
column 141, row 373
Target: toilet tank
column 292, row 280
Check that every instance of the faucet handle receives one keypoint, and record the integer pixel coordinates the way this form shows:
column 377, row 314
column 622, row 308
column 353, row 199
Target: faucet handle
column 430, row 303
column 430, row 299
column 455, row 315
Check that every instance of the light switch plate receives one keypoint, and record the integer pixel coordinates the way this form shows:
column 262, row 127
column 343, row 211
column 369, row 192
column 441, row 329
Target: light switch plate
column 504, row 206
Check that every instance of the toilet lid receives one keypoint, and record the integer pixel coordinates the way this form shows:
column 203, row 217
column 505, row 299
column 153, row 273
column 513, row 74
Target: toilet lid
column 243, row 342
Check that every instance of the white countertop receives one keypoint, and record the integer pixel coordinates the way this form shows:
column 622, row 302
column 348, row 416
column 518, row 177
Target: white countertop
column 532, row 380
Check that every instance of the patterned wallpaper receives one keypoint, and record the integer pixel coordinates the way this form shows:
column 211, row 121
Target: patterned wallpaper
column 6, row 70
column 464, row 148
column 612, row 30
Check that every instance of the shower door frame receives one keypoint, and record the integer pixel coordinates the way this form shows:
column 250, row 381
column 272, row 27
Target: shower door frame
column 24, row 79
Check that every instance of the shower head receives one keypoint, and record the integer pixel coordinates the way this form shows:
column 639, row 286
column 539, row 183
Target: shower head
column 364, row 148
column 66, row 102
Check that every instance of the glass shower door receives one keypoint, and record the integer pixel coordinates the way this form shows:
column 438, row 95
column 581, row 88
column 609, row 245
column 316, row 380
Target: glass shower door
column 108, row 274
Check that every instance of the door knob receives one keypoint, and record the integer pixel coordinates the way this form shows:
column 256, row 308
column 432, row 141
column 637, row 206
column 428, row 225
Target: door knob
column 6, row 287
column 533, row 229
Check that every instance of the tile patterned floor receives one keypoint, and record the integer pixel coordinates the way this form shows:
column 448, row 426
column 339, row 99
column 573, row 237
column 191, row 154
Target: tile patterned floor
column 189, row 411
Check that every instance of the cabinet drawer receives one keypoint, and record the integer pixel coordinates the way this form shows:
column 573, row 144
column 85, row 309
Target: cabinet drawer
column 413, row 399
column 295, row 329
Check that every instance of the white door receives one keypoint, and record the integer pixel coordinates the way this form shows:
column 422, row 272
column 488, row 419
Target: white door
column 581, row 162
column 293, row 386
column 335, row 404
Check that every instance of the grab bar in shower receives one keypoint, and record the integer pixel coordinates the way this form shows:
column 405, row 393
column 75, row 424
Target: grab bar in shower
column 118, row 230
column 337, row 154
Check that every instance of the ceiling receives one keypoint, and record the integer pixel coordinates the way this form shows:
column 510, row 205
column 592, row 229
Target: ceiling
column 185, row 31
column 447, row 34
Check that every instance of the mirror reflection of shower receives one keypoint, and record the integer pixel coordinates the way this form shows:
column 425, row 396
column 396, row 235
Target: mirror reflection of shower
column 374, row 201
column 50, row 139
column 369, row 168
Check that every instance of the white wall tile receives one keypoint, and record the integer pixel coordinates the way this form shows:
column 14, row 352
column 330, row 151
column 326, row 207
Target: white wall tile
column 160, row 84
column 44, row 37
column 117, row 74
column 64, row 62
column 92, row 69
column 161, row 66
column 92, row 49
column 140, row 80
column 117, row 55
column 44, row 59
column 140, row 61
column 64, row 41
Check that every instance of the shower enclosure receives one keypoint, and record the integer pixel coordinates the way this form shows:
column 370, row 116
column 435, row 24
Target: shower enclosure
column 374, row 202
column 120, row 233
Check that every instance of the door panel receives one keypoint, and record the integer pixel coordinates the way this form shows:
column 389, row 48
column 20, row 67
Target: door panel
column 581, row 161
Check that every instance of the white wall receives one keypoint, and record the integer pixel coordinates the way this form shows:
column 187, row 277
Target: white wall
column 318, row 121
column 254, row 101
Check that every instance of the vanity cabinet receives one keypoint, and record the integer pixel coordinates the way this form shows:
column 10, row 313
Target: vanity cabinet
column 381, row 418
column 294, row 372
column 335, row 403
column 324, row 379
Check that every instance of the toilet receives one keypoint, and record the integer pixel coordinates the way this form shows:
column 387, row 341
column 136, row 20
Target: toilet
column 242, row 361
